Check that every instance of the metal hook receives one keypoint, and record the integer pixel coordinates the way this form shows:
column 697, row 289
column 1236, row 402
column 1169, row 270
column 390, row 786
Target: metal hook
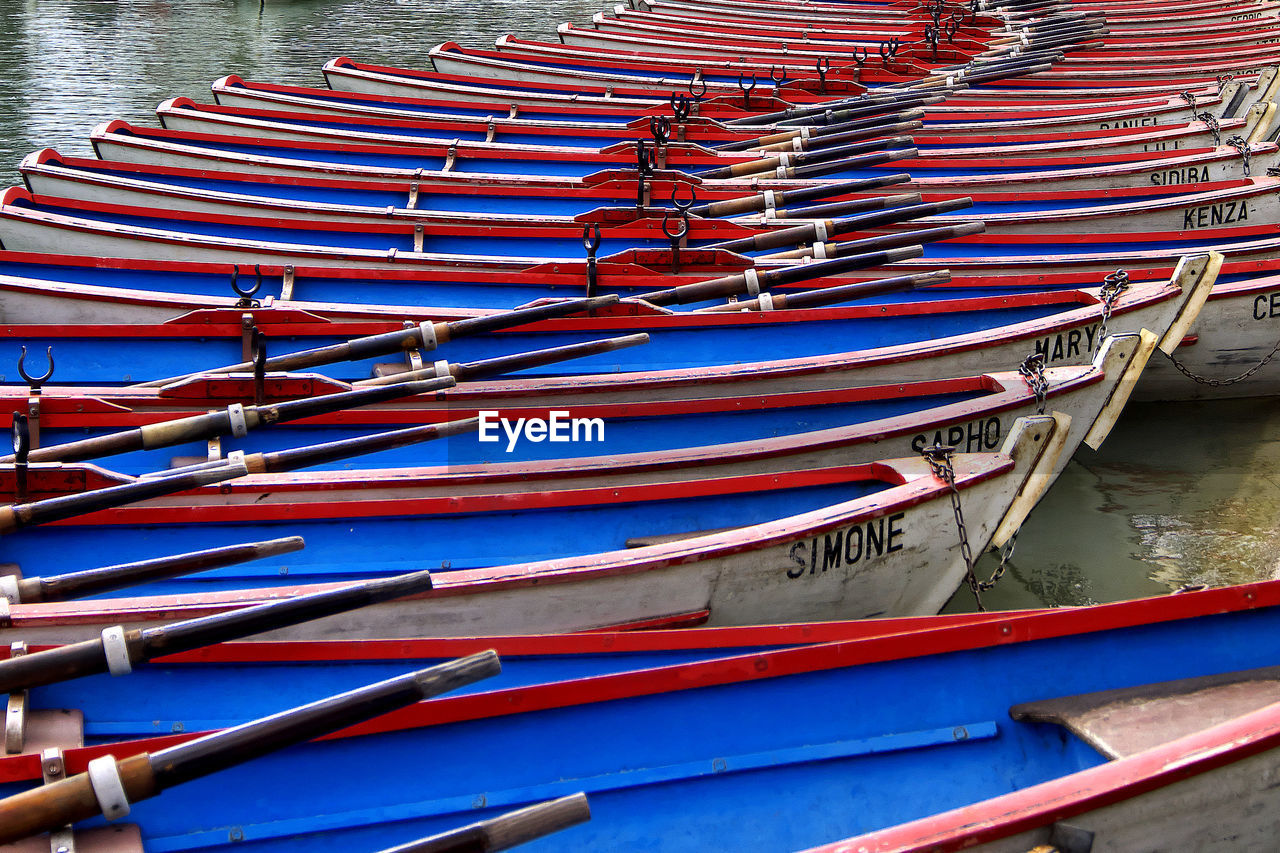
column 697, row 95
column 860, row 55
column 35, row 381
column 823, row 65
column 889, row 49
column 246, row 296
column 746, row 90
column 258, row 348
column 951, row 27
column 660, row 129
column 644, row 170
column 21, row 452
column 684, row 206
column 778, row 80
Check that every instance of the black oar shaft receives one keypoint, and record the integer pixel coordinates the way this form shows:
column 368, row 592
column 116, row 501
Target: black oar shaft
column 17, row 516
column 785, row 198
column 317, row 454
column 141, row 776
column 95, row 581
column 526, row 360
column 204, row 427
column 822, row 296
column 505, row 831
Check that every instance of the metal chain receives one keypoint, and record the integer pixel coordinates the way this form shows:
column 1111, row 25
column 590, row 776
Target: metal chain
column 939, row 459
column 1239, row 143
column 1218, row 383
column 1214, row 127
column 1190, row 98
column 1032, row 370
column 1273, row 171
column 1113, row 285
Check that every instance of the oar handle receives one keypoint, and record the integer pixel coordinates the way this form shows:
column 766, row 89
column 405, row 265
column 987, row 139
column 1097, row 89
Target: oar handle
column 229, row 747
column 69, row 800
column 785, row 198
column 505, row 831
column 94, row 581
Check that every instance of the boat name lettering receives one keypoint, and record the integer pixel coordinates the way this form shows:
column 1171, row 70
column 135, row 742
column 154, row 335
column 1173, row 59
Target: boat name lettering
column 1267, row 306
column 973, row 437
column 559, row 427
column 847, row 546
column 1163, row 146
column 1146, row 121
column 1246, row 16
column 1073, row 344
column 1185, row 175
column 1222, row 213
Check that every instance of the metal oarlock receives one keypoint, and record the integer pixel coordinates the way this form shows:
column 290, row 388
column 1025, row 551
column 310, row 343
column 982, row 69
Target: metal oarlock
column 645, row 160
column 684, row 206
column 681, row 106
column 746, row 90
column 660, row 129
column 591, row 242
column 823, row 66
column 246, row 299
column 676, row 236
column 889, row 50
column 258, row 355
column 697, row 87
column 34, row 384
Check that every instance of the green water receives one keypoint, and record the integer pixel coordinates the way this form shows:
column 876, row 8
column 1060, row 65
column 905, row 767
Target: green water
column 1181, row 494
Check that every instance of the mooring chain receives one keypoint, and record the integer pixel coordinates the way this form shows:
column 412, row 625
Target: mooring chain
column 939, row 459
column 1239, row 143
column 1113, row 285
column 1218, row 383
column 1190, row 98
column 1032, row 370
column 1214, row 127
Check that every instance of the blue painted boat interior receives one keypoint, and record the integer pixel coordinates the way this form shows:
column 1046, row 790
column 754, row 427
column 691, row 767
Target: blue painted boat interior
column 127, row 359
column 338, row 549
column 795, row 769
column 620, row 435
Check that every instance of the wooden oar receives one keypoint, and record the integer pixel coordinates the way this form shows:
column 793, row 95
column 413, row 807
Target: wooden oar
column 899, row 129
column 117, row 650
column 473, row 370
column 821, row 296
column 872, row 124
column 883, row 241
column 808, row 158
column 505, row 831
column 733, row 285
column 17, row 516
column 94, row 581
column 783, row 199
column 424, row 336
column 845, row 110
column 110, row 785
column 823, row 229
column 234, row 420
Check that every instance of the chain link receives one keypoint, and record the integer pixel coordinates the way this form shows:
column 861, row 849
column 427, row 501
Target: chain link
column 939, row 459
column 1113, row 285
column 1214, row 127
column 1219, row 383
column 1032, row 370
column 1239, row 143
column 1190, row 98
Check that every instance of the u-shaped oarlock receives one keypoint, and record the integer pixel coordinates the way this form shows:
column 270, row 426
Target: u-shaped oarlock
column 21, row 452
column 697, row 87
column 681, row 106
column 684, row 206
column 34, row 382
column 951, row 27
column 644, row 170
column 746, row 90
column 591, row 242
column 860, row 55
column 258, row 355
column 660, row 129
column 778, row 74
column 675, row 236
column 246, row 296
column 889, row 49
